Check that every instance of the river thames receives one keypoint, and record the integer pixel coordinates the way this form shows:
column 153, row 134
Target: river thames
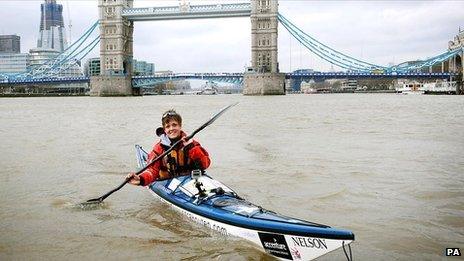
column 388, row 167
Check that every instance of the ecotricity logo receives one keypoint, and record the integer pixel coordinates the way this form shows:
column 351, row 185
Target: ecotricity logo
column 275, row 245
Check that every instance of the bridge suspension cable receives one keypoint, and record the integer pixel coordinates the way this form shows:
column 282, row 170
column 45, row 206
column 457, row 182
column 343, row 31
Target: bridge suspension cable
column 70, row 61
column 325, row 52
column 351, row 63
column 67, row 56
column 63, row 61
column 427, row 63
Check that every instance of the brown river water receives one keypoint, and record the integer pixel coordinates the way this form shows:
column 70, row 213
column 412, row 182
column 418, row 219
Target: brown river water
column 388, row 167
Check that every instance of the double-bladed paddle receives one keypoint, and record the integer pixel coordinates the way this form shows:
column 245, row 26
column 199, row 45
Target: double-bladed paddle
column 100, row 199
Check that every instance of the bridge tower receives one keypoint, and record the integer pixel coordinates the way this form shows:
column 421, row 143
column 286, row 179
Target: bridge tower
column 455, row 62
column 263, row 78
column 116, row 49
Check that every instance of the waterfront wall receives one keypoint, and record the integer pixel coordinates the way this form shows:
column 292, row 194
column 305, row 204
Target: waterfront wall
column 114, row 85
column 264, row 84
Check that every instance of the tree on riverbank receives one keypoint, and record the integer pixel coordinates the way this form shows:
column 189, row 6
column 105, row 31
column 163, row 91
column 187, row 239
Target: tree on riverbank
column 460, row 83
column 377, row 84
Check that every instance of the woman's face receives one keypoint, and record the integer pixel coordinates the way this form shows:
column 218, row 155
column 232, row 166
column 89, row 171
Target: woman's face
column 172, row 128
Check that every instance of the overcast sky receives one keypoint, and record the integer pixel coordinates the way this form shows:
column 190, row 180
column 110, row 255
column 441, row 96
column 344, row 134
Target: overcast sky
column 379, row 32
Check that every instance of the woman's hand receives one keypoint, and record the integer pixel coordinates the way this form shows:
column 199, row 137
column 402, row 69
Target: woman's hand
column 133, row 178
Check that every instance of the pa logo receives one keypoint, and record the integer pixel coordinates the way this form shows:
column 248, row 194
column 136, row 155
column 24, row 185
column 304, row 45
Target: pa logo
column 453, row 252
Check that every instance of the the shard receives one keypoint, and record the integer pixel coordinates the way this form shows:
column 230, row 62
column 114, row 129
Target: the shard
column 52, row 42
column 52, row 30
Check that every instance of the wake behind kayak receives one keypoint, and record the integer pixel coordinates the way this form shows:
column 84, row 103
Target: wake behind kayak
column 216, row 206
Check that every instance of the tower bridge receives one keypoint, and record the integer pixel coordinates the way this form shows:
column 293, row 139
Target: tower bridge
column 117, row 19
column 116, row 26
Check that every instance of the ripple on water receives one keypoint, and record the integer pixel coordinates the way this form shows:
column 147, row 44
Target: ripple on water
column 438, row 195
column 331, row 195
column 82, row 206
column 169, row 220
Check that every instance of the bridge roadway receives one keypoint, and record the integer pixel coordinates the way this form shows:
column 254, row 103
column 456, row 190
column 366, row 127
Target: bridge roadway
column 235, row 78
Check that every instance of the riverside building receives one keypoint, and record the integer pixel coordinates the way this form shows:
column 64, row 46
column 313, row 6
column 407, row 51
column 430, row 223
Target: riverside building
column 141, row 68
column 11, row 60
column 10, row 44
column 11, row 63
column 92, row 67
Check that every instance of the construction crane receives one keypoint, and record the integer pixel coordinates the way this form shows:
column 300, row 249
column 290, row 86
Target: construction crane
column 69, row 22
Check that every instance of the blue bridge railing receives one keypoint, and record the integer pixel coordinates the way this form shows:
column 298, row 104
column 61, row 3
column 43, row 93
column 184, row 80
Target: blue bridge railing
column 232, row 78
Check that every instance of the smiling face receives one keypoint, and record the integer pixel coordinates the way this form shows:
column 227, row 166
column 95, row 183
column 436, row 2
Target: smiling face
column 172, row 128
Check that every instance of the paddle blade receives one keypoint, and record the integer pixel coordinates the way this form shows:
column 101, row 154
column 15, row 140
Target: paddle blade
column 91, row 204
column 92, row 201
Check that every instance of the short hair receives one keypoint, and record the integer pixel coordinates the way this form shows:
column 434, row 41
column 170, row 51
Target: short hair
column 171, row 115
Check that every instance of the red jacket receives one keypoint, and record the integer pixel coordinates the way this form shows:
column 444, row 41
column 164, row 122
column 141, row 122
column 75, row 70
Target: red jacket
column 180, row 161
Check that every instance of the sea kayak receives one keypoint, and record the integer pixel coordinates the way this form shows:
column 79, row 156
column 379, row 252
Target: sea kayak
column 212, row 204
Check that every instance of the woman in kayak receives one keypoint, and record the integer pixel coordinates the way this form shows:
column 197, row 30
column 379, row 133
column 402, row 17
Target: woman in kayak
column 188, row 155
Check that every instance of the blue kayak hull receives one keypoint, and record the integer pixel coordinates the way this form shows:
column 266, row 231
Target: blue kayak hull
column 221, row 209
